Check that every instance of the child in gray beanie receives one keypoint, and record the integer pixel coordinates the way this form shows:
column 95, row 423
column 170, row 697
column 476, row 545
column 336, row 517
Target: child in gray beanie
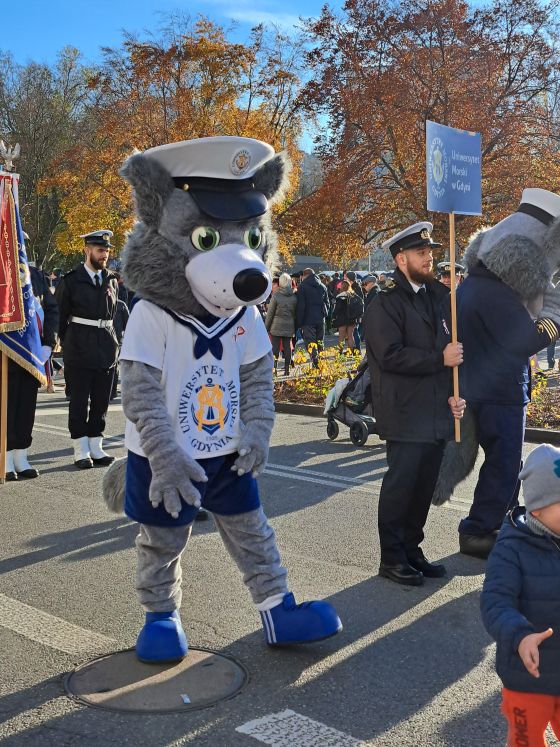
column 520, row 603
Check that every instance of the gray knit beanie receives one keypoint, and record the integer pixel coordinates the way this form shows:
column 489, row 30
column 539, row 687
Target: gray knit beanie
column 541, row 477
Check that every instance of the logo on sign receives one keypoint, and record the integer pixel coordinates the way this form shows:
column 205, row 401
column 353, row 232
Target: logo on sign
column 439, row 167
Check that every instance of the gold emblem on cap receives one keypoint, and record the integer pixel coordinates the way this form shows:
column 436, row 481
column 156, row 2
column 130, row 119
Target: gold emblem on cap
column 106, row 237
column 424, row 233
column 240, row 161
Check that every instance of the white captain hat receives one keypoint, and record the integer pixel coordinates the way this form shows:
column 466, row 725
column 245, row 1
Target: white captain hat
column 217, row 171
column 413, row 237
column 540, row 204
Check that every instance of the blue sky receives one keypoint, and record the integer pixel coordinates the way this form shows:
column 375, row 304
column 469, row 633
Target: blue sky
column 37, row 29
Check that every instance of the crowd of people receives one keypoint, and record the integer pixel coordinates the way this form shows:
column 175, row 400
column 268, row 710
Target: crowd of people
column 404, row 320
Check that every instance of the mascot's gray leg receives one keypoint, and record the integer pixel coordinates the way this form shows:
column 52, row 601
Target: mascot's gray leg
column 251, row 542
column 113, row 486
column 458, row 460
column 158, row 573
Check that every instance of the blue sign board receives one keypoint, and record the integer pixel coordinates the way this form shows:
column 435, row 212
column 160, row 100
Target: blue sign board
column 453, row 170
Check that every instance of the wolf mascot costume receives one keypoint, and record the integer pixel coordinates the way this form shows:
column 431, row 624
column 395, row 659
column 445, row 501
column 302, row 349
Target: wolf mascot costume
column 196, row 368
column 507, row 310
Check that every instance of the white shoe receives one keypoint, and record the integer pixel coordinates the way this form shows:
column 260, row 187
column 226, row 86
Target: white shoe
column 11, row 474
column 82, row 458
column 23, row 468
column 99, row 456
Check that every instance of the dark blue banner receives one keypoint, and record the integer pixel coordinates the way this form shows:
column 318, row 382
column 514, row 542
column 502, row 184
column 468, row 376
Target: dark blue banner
column 453, row 170
column 24, row 345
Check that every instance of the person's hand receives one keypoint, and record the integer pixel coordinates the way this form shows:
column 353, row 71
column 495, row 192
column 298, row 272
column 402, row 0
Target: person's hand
column 457, row 406
column 528, row 650
column 453, row 354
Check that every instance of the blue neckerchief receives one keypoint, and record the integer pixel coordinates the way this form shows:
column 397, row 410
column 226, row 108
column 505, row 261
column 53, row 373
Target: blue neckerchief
column 203, row 342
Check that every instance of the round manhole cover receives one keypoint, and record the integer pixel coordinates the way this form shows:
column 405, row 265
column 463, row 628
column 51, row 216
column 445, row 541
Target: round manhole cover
column 119, row 682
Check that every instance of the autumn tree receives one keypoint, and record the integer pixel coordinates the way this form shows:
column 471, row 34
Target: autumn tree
column 40, row 108
column 190, row 81
column 382, row 69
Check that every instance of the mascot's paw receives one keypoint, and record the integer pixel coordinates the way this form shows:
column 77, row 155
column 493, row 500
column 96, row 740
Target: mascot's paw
column 252, row 449
column 162, row 639
column 289, row 623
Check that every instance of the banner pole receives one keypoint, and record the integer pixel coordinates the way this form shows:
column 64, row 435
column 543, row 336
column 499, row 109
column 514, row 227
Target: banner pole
column 454, row 315
column 3, row 416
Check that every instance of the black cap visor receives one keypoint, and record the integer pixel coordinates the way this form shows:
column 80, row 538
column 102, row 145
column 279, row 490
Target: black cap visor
column 412, row 242
column 225, row 199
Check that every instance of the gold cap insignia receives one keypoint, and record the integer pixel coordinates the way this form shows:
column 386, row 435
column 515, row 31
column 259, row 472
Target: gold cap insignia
column 424, row 234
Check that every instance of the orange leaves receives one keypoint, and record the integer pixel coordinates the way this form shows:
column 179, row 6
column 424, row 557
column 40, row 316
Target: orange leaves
column 382, row 69
column 189, row 82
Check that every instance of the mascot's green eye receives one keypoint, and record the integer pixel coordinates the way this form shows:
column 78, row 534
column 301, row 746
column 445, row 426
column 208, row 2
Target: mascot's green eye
column 205, row 238
column 253, row 237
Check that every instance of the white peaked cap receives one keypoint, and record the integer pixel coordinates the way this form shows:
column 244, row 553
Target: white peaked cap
column 222, row 157
column 543, row 199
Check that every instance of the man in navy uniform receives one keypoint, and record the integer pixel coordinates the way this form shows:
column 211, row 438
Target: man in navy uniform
column 444, row 273
column 410, row 356
column 87, row 298
column 509, row 264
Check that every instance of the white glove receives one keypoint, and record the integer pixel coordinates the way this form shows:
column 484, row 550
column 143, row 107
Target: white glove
column 45, row 353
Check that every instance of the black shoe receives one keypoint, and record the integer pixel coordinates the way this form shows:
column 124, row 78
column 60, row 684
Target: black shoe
column 201, row 515
column 477, row 545
column 402, row 573
column 11, row 477
column 103, row 461
column 84, row 464
column 28, row 474
column 429, row 570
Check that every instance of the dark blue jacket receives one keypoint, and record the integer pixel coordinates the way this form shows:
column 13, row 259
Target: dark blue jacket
column 521, row 595
column 312, row 302
column 498, row 337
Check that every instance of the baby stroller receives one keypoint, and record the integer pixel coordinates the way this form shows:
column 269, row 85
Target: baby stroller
column 351, row 404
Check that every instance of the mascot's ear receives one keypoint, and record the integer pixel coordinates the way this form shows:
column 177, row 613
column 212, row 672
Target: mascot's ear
column 272, row 178
column 152, row 185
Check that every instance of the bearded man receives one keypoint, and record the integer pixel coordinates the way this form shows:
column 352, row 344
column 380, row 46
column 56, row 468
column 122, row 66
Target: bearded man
column 87, row 299
column 410, row 356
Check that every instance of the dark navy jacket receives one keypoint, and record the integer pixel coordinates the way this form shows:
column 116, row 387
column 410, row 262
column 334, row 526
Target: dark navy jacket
column 520, row 596
column 312, row 302
column 498, row 337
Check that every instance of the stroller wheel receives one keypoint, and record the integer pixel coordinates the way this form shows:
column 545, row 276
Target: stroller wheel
column 358, row 433
column 332, row 429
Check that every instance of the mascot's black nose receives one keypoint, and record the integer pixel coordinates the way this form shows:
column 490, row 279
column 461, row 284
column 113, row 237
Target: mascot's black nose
column 249, row 284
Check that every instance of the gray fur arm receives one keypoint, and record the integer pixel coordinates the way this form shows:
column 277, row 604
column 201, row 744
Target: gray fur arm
column 172, row 470
column 551, row 306
column 257, row 415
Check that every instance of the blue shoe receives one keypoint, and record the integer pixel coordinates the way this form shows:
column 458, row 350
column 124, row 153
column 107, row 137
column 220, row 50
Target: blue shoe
column 289, row 623
column 162, row 639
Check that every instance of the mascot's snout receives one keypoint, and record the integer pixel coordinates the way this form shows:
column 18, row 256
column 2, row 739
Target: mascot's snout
column 227, row 277
column 250, row 284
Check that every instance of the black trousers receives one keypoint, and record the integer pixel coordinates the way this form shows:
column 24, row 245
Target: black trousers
column 286, row 349
column 22, row 401
column 406, row 493
column 90, row 391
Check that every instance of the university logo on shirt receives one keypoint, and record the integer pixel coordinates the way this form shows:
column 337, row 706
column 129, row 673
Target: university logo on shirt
column 209, row 409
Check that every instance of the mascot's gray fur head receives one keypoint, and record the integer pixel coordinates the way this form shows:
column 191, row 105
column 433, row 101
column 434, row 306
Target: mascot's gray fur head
column 203, row 242
column 523, row 250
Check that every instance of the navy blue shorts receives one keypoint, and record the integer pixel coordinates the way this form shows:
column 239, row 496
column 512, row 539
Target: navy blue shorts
column 225, row 492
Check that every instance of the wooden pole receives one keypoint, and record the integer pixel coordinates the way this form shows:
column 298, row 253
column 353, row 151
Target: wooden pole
column 3, row 416
column 454, row 314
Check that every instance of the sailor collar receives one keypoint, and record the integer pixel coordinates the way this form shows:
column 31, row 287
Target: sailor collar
column 207, row 338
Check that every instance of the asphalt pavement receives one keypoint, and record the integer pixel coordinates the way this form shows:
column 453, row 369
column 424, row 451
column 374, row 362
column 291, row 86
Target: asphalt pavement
column 413, row 666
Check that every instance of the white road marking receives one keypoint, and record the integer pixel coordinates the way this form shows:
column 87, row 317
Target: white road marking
column 290, row 729
column 49, row 630
column 303, row 474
